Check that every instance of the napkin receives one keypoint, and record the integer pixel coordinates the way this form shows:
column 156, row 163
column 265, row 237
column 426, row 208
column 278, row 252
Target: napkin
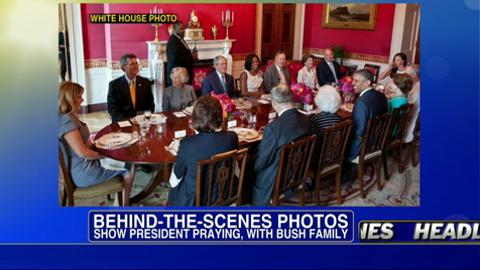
column 179, row 114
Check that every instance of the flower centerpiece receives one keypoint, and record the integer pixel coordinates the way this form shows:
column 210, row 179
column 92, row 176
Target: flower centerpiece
column 346, row 87
column 228, row 104
column 302, row 94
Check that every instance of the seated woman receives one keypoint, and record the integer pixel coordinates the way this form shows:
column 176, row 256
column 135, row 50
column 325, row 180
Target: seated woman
column 251, row 79
column 398, row 65
column 397, row 90
column 208, row 141
column 308, row 74
column 179, row 95
column 84, row 162
column 328, row 101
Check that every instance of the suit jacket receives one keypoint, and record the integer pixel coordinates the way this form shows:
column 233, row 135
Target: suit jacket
column 272, row 77
column 325, row 74
column 178, row 55
column 119, row 101
column 212, row 83
column 372, row 103
column 288, row 127
column 192, row 149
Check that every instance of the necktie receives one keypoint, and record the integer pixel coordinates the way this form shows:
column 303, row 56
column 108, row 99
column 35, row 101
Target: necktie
column 224, row 83
column 282, row 77
column 330, row 64
column 132, row 93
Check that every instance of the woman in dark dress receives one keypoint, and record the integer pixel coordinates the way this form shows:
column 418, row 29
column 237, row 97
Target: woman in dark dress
column 84, row 162
column 208, row 141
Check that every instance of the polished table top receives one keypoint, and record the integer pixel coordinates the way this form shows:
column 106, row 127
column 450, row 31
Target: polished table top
column 152, row 149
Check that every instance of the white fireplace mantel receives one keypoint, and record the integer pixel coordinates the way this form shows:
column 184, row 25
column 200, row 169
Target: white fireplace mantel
column 206, row 49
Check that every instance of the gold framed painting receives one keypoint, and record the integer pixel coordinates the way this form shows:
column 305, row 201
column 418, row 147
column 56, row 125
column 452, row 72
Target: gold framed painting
column 350, row 16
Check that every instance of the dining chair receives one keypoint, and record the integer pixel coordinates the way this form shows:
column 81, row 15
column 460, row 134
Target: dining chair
column 220, row 179
column 293, row 167
column 72, row 192
column 372, row 148
column 237, row 88
column 395, row 138
column 374, row 69
column 330, row 157
column 415, row 144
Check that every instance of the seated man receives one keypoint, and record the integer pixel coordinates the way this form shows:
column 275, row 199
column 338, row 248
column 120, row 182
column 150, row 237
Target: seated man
column 369, row 104
column 289, row 126
column 130, row 93
column 277, row 73
column 328, row 71
column 219, row 81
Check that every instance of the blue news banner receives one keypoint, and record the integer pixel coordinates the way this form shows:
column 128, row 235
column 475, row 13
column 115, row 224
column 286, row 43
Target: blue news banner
column 221, row 226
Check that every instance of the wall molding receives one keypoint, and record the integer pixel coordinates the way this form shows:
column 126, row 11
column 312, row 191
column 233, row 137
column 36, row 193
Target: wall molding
column 351, row 55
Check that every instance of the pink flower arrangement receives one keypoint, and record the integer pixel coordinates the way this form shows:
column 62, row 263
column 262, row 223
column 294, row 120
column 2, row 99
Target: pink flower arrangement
column 227, row 104
column 346, row 84
column 302, row 93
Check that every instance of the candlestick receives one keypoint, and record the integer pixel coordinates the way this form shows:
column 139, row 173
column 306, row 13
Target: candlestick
column 227, row 22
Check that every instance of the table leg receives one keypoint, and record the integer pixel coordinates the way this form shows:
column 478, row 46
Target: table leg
column 158, row 176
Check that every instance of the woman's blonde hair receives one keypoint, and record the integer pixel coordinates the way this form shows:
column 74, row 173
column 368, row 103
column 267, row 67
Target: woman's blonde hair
column 182, row 72
column 67, row 93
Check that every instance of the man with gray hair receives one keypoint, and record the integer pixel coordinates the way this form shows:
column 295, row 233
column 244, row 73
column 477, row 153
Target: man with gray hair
column 289, row 126
column 219, row 81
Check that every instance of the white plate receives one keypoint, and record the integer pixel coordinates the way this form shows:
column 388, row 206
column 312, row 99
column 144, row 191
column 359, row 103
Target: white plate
column 246, row 134
column 115, row 139
column 188, row 110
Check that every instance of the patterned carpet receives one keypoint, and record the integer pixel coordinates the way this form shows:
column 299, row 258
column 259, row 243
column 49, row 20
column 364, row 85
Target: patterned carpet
column 401, row 190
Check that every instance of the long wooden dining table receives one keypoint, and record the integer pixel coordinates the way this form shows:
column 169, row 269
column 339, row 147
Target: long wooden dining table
column 152, row 149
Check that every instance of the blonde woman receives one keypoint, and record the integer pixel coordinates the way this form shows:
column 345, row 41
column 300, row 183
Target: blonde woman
column 179, row 95
column 84, row 162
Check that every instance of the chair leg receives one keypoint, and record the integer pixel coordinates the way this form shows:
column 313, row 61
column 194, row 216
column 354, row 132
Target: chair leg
column 399, row 159
column 120, row 198
column 302, row 195
column 338, row 183
column 378, row 173
column 360, row 180
column 317, row 190
column 413, row 154
column 385, row 165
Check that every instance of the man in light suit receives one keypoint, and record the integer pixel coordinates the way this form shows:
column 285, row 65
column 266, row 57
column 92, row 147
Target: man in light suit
column 277, row 73
column 178, row 52
column 219, row 81
column 129, row 93
column 289, row 126
column 369, row 104
column 328, row 71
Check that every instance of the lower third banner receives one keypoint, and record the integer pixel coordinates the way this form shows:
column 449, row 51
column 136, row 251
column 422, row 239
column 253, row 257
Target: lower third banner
column 221, row 226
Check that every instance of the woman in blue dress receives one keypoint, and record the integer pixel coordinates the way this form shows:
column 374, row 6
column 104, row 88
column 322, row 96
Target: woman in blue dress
column 84, row 162
column 397, row 90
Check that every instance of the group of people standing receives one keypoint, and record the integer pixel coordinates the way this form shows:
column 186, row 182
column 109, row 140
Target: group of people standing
column 131, row 93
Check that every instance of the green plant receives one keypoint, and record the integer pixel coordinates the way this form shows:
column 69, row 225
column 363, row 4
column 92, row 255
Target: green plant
column 339, row 52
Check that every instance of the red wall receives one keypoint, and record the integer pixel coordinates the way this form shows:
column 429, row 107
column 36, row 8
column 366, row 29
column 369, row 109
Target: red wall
column 93, row 34
column 132, row 37
column 375, row 42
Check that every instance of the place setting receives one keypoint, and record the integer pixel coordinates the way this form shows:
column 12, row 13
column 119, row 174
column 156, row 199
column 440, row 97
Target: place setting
column 116, row 140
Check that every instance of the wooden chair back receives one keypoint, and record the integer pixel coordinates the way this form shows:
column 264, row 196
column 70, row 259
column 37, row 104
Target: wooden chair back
column 375, row 137
column 400, row 117
column 374, row 69
column 217, row 183
column 67, row 177
column 333, row 144
column 293, row 166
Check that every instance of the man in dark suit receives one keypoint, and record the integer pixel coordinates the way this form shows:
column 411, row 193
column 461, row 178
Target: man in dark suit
column 129, row 93
column 219, row 81
column 369, row 104
column 289, row 126
column 277, row 73
column 328, row 71
column 178, row 52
